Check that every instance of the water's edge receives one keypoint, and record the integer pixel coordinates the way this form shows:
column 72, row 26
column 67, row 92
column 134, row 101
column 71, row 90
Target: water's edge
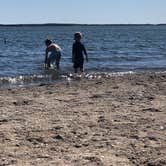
column 53, row 78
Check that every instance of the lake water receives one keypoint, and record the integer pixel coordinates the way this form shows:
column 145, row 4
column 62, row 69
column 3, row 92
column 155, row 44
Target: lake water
column 110, row 49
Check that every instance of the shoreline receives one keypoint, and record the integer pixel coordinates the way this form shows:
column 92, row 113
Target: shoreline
column 116, row 120
column 10, row 82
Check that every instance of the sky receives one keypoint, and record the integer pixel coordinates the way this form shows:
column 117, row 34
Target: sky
column 83, row 11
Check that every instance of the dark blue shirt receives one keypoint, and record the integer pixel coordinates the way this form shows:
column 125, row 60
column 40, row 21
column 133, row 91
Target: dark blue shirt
column 78, row 50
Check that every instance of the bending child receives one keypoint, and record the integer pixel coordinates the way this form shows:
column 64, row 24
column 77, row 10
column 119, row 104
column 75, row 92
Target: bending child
column 77, row 53
column 52, row 54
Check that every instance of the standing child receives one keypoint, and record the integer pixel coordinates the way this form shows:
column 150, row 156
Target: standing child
column 53, row 54
column 77, row 53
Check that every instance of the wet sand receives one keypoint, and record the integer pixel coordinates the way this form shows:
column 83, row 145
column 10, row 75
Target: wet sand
column 116, row 121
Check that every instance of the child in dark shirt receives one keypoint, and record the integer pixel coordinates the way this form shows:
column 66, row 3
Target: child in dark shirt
column 77, row 53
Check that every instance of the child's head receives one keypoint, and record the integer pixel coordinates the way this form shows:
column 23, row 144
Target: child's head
column 77, row 36
column 48, row 42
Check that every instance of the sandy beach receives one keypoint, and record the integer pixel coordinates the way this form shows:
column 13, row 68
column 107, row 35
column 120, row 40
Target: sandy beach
column 115, row 121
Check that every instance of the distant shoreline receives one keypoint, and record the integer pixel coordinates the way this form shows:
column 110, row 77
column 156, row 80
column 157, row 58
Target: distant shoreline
column 72, row 24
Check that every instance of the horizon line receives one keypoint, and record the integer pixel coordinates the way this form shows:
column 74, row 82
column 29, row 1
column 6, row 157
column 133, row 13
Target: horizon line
column 76, row 24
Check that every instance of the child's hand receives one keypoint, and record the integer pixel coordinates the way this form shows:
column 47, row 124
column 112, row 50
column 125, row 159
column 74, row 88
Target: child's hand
column 87, row 60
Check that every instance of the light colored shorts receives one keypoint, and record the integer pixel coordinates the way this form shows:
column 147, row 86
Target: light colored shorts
column 54, row 57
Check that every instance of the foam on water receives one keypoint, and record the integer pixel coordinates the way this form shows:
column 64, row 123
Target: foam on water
column 10, row 82
column 31, row 80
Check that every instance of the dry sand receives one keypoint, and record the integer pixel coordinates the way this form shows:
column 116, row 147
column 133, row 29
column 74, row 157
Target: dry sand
column 116, row 121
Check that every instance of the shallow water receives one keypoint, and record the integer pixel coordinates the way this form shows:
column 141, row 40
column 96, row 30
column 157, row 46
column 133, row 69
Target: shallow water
column 110, row 49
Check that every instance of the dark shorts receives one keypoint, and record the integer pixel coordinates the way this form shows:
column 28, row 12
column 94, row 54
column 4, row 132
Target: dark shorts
column 78, row 64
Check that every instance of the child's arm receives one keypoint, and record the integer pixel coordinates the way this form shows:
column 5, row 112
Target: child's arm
column 87, row 57
column 49, row 48
column 46, row 56
column 73, row 53
column 85, row 52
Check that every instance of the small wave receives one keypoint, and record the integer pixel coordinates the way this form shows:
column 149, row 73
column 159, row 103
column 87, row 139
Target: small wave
column 92, row 75
column 31, row 80
column 26, row 80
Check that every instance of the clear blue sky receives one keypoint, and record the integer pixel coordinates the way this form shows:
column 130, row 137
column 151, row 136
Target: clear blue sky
column 82, row 11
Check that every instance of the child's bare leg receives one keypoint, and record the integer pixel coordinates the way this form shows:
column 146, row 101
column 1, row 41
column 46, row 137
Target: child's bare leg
column 57, row 66
column 48, row 64
column 81, row 70
column 75, row 70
